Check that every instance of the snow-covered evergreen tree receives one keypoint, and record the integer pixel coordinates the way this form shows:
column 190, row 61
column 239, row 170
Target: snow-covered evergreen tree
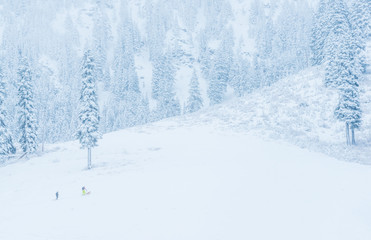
column 219, row 78
column 6, row 141
column 163, row 91
column 334, row 58
column 127, row 101
column 241, row 76
column 348, row 109
column 195, row 101
column 89, row 117
column 291, row 41
column 338, row 43
column 101, row 35
column 361, row 28
column 205, row 56
column 27, row 114
column 131, row 98
column 343, row 67
column 222, row 64
column 157, row 25
column 320, row 32
column 361, row 17
column 264, row 31
column 64, row 63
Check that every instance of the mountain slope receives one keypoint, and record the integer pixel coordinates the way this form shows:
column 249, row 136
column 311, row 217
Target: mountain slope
column 224, row 173
column 190, row 178
column 299, row 110
column 185, row 183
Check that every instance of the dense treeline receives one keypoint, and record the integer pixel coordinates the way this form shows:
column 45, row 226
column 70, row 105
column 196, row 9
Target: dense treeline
column 143, row 51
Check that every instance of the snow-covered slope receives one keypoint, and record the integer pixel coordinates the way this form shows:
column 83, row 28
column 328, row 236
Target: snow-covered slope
column 203, row 176
column 299, row 110
column 200, row 182
column 224, row 173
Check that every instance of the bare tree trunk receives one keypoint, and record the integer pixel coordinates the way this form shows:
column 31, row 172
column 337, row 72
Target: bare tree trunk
column 347, row 132
column 89, row 158
column 24, row 154
column 353, row 137
column 43, row 139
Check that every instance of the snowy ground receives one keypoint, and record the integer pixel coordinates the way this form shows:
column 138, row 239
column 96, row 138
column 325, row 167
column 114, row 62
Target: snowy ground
column 241, row 170
column 167, row 181
column 298, row 110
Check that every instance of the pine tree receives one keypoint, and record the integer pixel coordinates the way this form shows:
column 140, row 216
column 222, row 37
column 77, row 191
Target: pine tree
column 131, row 96
column 163, row 91
column 361, row 28
column 320, row 32
column 101, row 36
column 27, row 116
column 361, row 17
column 348, row 109
column 334, row 59
column 157, row 76
column 87, row 132
column 143, row 111
column 127, row 98
column 205, row 56
column 291, row 41
column 6, row 141
column 337, row 44
column 195, row 101
column 221, row 68
column 264, row 45
column 240, row 76
column 218, row 82
column 343, row 68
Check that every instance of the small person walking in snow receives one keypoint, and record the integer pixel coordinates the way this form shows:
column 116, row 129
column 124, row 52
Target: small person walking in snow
column 56, row 195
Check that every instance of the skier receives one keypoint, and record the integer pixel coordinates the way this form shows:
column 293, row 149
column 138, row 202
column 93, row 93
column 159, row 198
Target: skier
column 84, row 191
column 56, row 195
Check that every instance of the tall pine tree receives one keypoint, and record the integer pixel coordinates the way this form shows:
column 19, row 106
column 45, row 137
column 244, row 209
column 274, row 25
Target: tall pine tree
column 27, row 116
column 348, row 109
column 343, row 67
column 6, row 142
column 87, row 132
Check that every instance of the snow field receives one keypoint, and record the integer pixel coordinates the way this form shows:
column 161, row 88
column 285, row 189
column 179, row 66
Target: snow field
column 162, row 181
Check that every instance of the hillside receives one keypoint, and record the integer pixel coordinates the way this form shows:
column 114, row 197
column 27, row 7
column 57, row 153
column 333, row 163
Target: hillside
column 200, row 182
column 214, row 115
column 129, row 41
column 224, row 173
column 299, row 110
